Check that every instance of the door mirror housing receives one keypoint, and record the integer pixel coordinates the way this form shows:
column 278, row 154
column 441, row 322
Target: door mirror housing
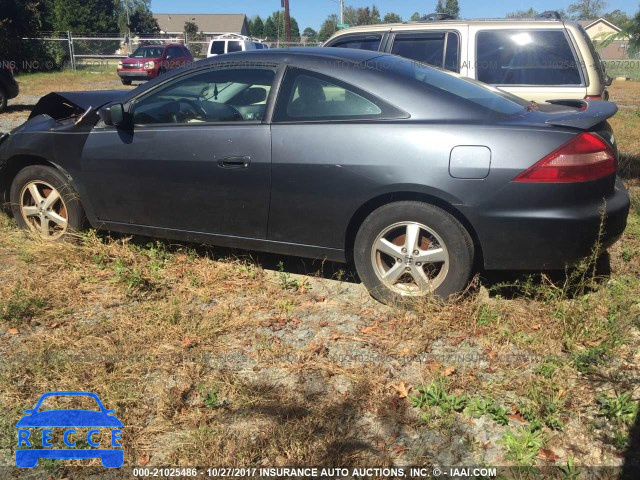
column 114, row 115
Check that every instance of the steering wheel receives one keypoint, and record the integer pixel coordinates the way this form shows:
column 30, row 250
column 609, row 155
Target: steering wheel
column 200, row 112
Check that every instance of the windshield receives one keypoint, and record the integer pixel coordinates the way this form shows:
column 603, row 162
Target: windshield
column 147, row 52
column 479, row 93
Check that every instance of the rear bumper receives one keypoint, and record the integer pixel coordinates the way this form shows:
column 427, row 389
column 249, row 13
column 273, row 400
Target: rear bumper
column 548, row 238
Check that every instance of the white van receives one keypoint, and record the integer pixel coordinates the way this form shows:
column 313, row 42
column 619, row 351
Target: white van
column 232, row 42
column 538, row 59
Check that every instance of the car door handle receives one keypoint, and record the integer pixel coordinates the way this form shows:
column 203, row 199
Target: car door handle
column 235, row 162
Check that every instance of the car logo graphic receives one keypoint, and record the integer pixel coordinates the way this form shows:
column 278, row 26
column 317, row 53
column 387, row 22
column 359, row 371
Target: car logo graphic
column 31, row 449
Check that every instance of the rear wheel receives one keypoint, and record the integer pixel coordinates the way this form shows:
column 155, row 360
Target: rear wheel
column 410, row 249
column 3, row 99
column 43, row 201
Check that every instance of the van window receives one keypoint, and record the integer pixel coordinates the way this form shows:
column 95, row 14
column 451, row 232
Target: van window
column 526, row 57
column 217, row 47
column 361, row 42
column 439, row 49
column 234, row 46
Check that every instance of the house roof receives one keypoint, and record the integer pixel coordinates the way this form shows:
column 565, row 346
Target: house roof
column 588, row 23
column 207, row 22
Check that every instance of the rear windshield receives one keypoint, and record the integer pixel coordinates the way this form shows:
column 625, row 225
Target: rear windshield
column 478, row 93
column 217, row 47
column 526, row 57
column 148, row 52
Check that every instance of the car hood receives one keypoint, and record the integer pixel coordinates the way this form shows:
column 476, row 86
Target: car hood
column 60, row 105
column 69, row 418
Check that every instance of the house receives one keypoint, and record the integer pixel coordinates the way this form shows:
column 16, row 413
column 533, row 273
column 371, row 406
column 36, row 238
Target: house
column 600, row 29
column 211, row 24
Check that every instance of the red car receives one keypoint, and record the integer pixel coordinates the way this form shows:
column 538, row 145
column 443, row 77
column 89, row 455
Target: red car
column 153, row 60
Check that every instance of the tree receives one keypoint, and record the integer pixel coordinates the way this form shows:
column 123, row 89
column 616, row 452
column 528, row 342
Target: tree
column 328, row 28
column 392, row 18
column 269, row 30
column 587, row 9
column 295, row 30
column 415, row 17
column 629, row 32
column 618, row 18
column 531, row 13
column 85, row 16
column 452, row 8
column 375, row 16
column 257, row 27
column 310, row 33
column 440, row 7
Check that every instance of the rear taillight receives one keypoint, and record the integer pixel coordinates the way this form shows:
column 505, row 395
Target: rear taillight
column 585, row 157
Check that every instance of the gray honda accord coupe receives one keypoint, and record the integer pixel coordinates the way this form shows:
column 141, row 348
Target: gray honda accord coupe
column 418, row 176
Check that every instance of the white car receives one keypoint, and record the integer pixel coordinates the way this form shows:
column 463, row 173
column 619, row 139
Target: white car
column 233, row 43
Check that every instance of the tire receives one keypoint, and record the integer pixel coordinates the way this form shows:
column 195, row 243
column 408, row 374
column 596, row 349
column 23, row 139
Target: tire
column 445, row 252
column 3, row 99
column 126, row 82
column 33, row 202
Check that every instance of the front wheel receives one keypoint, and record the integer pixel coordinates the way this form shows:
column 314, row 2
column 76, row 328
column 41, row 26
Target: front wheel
column 43, row 201
column 410, row 249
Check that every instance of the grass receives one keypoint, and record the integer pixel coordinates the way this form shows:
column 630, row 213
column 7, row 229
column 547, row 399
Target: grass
column 213, row 357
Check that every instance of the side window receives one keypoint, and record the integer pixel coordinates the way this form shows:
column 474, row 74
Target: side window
column 368, row 42
column 234, row 46
column 309, row 96
column 174, row 52
column 217, row 47
column 526, row 57
column 217, row 95
column 439, row 49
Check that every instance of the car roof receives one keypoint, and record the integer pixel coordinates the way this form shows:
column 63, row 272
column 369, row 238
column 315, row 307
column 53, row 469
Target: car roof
column 485, row 22
column 301, row 54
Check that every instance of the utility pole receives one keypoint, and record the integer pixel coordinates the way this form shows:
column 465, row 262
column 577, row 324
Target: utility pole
column 342, row 11
column 287, row 21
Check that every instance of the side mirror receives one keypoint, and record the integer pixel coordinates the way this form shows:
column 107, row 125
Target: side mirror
column 114, row 115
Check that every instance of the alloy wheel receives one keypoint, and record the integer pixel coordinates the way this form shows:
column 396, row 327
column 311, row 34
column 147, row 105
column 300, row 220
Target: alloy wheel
column 44, row 210
column 410, row 259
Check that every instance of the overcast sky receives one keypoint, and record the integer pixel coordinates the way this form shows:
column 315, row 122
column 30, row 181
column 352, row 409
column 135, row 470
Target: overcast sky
column 311, row 13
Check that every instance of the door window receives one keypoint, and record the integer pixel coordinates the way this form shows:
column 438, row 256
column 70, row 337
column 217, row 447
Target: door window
column 368, row 42
column 217, row 47
column 526, row 57
column 217, row 95
column 234, row 46
column 310, row 96
column 439, row 49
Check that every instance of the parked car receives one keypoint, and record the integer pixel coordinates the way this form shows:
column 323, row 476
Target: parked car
column 417, row 174
column 150, row 61
column 538, row 59
column 8, row 86
column 231, row 42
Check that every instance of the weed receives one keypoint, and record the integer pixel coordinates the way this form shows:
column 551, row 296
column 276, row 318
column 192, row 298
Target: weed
column 487, row 315
column 286, row 282
column 569, row 471
column 479, row 406
column 620, row 409
column 548, row 367
column 20, row 307
column 435, row 395
column 523, row 445
column 211, row 400
column 132, row 277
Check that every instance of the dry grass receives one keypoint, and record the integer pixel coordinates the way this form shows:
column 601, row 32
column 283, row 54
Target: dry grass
column 210, row 357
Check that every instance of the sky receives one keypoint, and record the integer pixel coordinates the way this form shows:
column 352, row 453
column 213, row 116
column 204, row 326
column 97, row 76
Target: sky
column 311, row 13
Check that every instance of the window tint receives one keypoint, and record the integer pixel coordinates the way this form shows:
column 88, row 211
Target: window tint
column 218, row 47
column 310, row 96
column 174, row 52
column 437, row 82
column 234, row 46
column 429, row 47
column 529, row 57
column 369, row 42
column 218, row 95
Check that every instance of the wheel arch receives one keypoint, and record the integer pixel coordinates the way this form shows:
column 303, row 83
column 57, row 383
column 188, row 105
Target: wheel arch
column 373, row 204
column 17, row 163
